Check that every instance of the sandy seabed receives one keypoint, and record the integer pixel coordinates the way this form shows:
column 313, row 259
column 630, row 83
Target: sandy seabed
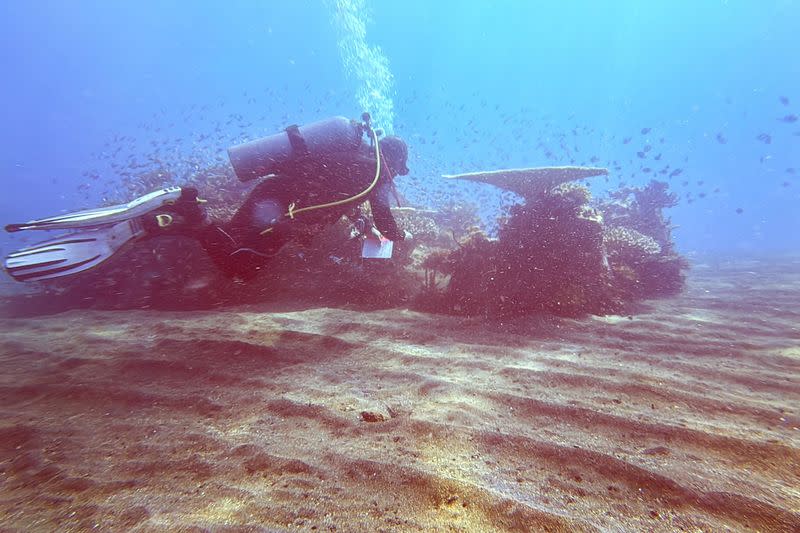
column 685, row 417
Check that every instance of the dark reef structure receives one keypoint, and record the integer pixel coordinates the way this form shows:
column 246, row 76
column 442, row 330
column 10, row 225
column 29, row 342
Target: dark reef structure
column 557, row 253
column 548, row 258
column 556, row 243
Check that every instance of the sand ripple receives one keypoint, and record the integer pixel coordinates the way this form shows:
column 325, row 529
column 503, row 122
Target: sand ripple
column 682, row 418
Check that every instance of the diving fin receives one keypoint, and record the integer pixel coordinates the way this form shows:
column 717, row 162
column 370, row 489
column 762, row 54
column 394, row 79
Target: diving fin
column 71, row 253
column 102, row 232
column 94, row 218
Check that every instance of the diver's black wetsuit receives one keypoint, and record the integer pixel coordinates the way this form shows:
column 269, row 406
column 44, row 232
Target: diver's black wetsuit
column 261, row 226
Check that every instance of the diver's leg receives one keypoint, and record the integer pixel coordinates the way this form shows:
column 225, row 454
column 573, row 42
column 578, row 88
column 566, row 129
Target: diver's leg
column 254, row 235
column 262, row 209
column 243, row 257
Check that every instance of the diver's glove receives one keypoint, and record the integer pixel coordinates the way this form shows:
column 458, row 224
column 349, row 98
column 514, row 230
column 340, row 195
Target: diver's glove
column 361, row 225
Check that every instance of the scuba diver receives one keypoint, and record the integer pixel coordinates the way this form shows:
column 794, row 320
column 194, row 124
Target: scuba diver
column 313, row 175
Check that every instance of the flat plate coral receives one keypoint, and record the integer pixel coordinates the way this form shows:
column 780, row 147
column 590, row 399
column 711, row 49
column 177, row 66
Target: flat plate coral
column 530, row 182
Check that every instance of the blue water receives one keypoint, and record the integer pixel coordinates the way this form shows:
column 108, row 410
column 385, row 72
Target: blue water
column 471, row 85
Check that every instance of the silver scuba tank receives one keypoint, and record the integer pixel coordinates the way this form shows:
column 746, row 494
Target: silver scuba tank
column 276, row 153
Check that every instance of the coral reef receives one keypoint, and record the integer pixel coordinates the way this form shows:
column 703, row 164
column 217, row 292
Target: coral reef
column 457, row 219
column 557, row 254
column 548, row 258
column 627, row 245
column 638, row 240
column 471, row 269
column 641, row 209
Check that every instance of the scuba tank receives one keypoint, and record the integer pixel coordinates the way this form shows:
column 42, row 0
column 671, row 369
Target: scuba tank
column 277, row 153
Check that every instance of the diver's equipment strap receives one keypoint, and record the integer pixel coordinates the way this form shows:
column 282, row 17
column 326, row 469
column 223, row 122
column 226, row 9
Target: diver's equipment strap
column 297, row 141
column 359, row 128
column 396, row 195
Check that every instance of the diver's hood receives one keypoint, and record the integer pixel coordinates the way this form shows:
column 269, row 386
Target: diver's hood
column 395, row 150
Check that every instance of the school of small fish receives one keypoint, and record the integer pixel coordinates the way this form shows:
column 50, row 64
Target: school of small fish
column 486, row 135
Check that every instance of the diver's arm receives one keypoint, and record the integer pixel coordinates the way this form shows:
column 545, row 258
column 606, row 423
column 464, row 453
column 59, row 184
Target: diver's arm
column 382, row 215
